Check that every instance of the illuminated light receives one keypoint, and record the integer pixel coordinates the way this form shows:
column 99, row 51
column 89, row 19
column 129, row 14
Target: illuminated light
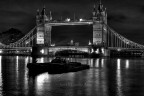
column 85, row 50
column 127, row 42
column 17, row 51
column 52, row 44
column 102, row 50
column 90, row 62
column 25, row 73
column 92, row 50
column 71, row 42
column 97, row 63
column 118, row 49
column 17, row 68
column 26, row 42
column 1, row 51
column 119, row 79
column 102, row 62
column 105, row 29
column 89, row 43
column 1, row 80
column 40, row 81
column 118, row 64
column 42, row 60
column 40, row 41
column 40, row 37
column 17, row 58
column 119, row 83
column 42, row 51
column 26, row 60
column 80, row 19
column 68, row 19
column 127, row 64
column 97, row 51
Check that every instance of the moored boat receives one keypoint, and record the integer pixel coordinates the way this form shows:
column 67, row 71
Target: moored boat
column 56, row 66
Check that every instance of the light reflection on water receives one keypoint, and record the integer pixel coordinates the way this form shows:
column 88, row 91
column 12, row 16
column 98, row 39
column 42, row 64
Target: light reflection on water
column 118, row 78
column 106, row 77
column 127, row 64
column 1, row 84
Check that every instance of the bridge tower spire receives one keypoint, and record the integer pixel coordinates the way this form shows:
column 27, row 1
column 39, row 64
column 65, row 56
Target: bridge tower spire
column 50, row 17
column 94, row 12
column 44, row 16
column 99, row 20
column 38, row 17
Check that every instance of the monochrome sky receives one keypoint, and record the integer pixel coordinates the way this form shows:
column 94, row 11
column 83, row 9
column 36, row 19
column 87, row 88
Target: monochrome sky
column 124, row 16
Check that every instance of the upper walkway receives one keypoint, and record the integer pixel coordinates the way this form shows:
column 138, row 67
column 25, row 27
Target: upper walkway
column 61, row 23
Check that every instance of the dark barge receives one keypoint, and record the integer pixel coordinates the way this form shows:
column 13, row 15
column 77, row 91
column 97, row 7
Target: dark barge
column 56, row 66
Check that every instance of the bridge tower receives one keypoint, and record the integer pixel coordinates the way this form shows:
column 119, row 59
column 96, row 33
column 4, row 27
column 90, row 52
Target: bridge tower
column 43, row 29
column 99, row 30
column 43, row 33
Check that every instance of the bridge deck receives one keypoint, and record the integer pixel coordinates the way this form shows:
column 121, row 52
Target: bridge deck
column 69, row 23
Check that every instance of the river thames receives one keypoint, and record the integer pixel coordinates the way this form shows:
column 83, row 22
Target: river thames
column 106, row 77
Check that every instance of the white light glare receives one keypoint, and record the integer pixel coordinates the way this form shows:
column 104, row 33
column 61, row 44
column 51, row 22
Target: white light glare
column 103, row 50
column 118, row 49
column 97, row 51
column 52, row 44
column 80, row 19
column 1, row 51
column 68, row 19
column 42, row 51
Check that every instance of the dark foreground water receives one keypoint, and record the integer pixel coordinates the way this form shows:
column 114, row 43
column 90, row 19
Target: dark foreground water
column 106, row 77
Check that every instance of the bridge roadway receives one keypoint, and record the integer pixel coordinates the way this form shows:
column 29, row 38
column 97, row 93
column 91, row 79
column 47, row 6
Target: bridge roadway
column 16, row 51
column 54, row 49
column 43, row 50
column 126, row 52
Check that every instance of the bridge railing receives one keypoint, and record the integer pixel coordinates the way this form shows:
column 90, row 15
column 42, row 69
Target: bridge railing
column 23, row 41
column 117, row 40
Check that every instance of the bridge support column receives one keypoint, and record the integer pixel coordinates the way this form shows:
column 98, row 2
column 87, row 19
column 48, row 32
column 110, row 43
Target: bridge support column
column 39, row 51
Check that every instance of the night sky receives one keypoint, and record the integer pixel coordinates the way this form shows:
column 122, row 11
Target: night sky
column 124, row 16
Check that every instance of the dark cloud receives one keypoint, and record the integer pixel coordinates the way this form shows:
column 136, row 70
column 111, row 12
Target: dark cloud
column 142, row 9
column 68, row 1
column 120, row 18
column 16, row 19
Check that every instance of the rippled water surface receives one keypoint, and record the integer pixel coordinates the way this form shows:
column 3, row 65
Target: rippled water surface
column 106, row 77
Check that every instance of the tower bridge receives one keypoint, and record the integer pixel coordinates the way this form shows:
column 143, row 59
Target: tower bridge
column 105, row 41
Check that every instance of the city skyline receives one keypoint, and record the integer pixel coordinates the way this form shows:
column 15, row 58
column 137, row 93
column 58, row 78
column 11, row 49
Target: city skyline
column 126, row 18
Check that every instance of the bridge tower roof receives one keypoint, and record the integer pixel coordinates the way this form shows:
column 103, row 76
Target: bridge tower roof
column 100, row 7
column 43, row 11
